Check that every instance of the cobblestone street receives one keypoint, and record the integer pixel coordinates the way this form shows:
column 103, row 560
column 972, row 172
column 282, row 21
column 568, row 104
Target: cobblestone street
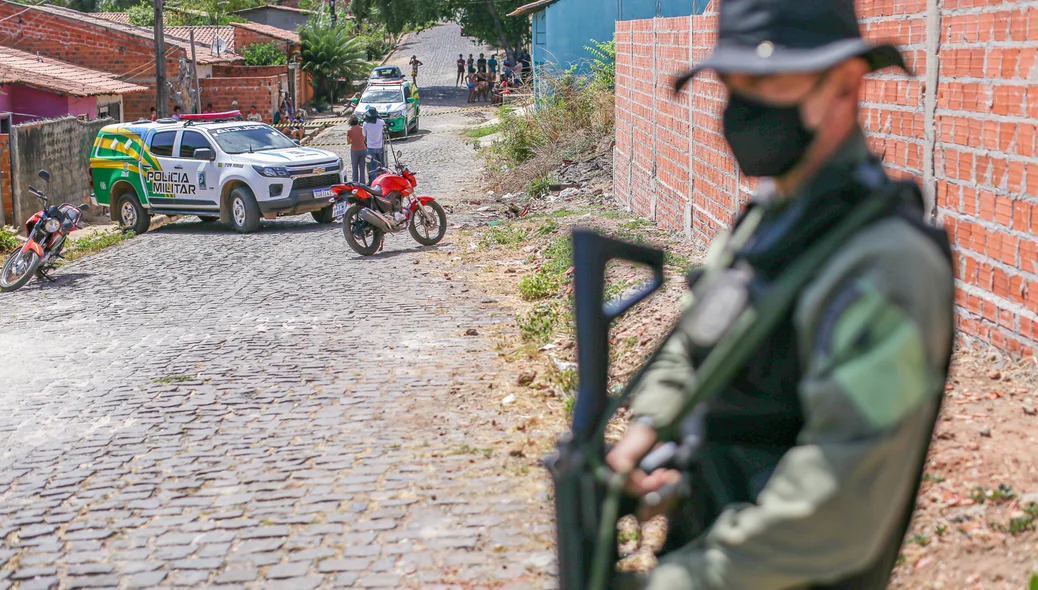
column 197, row 408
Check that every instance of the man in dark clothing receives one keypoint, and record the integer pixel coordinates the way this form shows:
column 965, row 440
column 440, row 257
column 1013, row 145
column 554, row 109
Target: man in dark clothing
column 817, row 444
column 481, row 64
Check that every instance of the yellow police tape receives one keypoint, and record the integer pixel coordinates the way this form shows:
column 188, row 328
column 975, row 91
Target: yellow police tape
column 341, row 120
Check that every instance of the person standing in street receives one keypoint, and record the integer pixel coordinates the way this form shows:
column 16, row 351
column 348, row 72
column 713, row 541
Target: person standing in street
column 153, row 115
column 470, row 63
column 176, row 112
column 481, row 64
column 461, row 70
column 810, row 458
column 358, row 149
column 374, row 136
column 254, row 115
column 414, row 69
column 492, row 64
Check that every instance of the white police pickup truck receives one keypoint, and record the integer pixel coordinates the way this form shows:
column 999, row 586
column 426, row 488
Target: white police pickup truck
column 214, row 166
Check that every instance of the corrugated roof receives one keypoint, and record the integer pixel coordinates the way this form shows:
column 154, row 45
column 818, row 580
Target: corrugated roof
column 531, row 7
column 20, row 67
column 203, row 52
column 204, row 35
column 271, row 31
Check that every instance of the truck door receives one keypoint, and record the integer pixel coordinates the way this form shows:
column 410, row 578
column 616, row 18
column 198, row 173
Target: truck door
column 154, row 169
column 201, row 174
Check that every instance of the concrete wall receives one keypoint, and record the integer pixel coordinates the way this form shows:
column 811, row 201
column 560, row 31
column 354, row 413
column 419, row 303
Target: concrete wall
column 639, row 9
column 965, row 127
column 6, row 202
column 62, row 147
column 282, row 19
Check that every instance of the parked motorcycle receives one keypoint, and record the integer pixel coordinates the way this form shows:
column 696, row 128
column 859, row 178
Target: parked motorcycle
column 47, row 231
column 388, row 205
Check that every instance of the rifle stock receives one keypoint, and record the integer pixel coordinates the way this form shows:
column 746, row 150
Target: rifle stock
column 579, row 494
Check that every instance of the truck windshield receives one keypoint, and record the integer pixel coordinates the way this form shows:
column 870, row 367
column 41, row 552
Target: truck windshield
column 383, row 94
column 250, row 138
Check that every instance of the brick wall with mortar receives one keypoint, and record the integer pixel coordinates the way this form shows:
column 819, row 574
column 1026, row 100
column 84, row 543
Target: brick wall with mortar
column 244, row 37
column 60, row 146
column 262, row 91
column 965, row 127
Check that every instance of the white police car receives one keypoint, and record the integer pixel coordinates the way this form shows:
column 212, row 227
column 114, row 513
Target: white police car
column 214, row 166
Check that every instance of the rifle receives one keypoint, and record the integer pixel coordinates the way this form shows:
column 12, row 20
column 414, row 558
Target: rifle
column 587, row 493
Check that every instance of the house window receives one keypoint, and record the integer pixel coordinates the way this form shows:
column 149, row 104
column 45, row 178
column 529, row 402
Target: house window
column 539, row 34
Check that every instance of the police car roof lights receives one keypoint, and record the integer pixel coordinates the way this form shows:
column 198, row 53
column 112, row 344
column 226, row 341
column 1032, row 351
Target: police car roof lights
column 224, row 116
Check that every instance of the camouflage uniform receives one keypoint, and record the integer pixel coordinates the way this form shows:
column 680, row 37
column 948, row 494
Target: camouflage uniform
column 819, row 442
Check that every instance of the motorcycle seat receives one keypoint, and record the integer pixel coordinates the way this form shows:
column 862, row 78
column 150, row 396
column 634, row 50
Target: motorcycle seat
column 375, row 191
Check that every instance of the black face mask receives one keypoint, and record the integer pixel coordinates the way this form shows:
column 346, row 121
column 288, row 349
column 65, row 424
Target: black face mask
column 766, row 140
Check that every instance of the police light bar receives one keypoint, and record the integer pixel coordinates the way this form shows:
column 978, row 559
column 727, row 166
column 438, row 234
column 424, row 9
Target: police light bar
column 210, row 116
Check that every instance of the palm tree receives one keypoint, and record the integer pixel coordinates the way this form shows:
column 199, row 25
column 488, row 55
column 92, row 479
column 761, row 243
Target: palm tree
column 330, row 54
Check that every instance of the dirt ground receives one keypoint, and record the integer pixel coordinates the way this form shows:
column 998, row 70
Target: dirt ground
column 973, row 528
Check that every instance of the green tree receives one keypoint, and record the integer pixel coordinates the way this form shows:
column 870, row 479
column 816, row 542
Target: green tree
column 486, row 20
column 331, row 55
column 264, row 54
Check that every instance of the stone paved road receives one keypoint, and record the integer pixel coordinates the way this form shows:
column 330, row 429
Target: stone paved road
column 196, row 408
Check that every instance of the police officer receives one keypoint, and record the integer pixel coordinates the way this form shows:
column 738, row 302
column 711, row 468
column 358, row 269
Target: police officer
column 818, row 443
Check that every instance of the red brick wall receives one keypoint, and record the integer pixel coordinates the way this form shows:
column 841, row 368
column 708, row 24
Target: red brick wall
column 87, row 45
column 244, row 37
column 259, row 91
column 973, row 145
column 249, row 71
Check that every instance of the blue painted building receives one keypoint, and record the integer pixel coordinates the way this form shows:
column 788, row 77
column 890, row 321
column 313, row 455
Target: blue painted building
column 561, row 29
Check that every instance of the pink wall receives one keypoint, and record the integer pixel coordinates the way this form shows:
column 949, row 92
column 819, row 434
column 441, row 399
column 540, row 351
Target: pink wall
column 30, row 104
column 6, row 92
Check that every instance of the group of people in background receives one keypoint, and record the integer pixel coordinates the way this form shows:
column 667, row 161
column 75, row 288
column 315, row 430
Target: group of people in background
column 367, row 139
column 487, row 79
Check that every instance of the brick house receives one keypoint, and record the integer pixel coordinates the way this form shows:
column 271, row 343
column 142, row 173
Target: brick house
column 105, row 44
column 101, row 44
column 35, row 87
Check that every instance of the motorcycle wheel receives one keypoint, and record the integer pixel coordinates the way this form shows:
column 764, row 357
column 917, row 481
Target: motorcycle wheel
column 368, row 241
column 435, row 219
column 26, row 264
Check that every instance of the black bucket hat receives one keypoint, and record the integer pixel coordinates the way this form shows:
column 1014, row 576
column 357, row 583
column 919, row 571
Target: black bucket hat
column 762, row 37
column 371, row 115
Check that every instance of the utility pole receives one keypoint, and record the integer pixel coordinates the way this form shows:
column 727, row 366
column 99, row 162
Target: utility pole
column 331, row 5
column 196, row 94
column 161, row 89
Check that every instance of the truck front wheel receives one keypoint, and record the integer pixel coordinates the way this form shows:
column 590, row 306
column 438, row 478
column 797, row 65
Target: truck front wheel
column 244, row 212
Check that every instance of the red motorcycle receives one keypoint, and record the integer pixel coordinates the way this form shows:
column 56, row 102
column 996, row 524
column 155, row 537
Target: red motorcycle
column 388, row 205
column 47, row 231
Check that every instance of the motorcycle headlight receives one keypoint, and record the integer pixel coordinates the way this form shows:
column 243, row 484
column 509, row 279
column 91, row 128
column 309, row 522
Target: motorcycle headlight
column 52, row 225
column 273, row 171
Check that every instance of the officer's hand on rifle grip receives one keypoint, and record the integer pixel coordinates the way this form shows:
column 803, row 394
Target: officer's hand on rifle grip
column 637, row 442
